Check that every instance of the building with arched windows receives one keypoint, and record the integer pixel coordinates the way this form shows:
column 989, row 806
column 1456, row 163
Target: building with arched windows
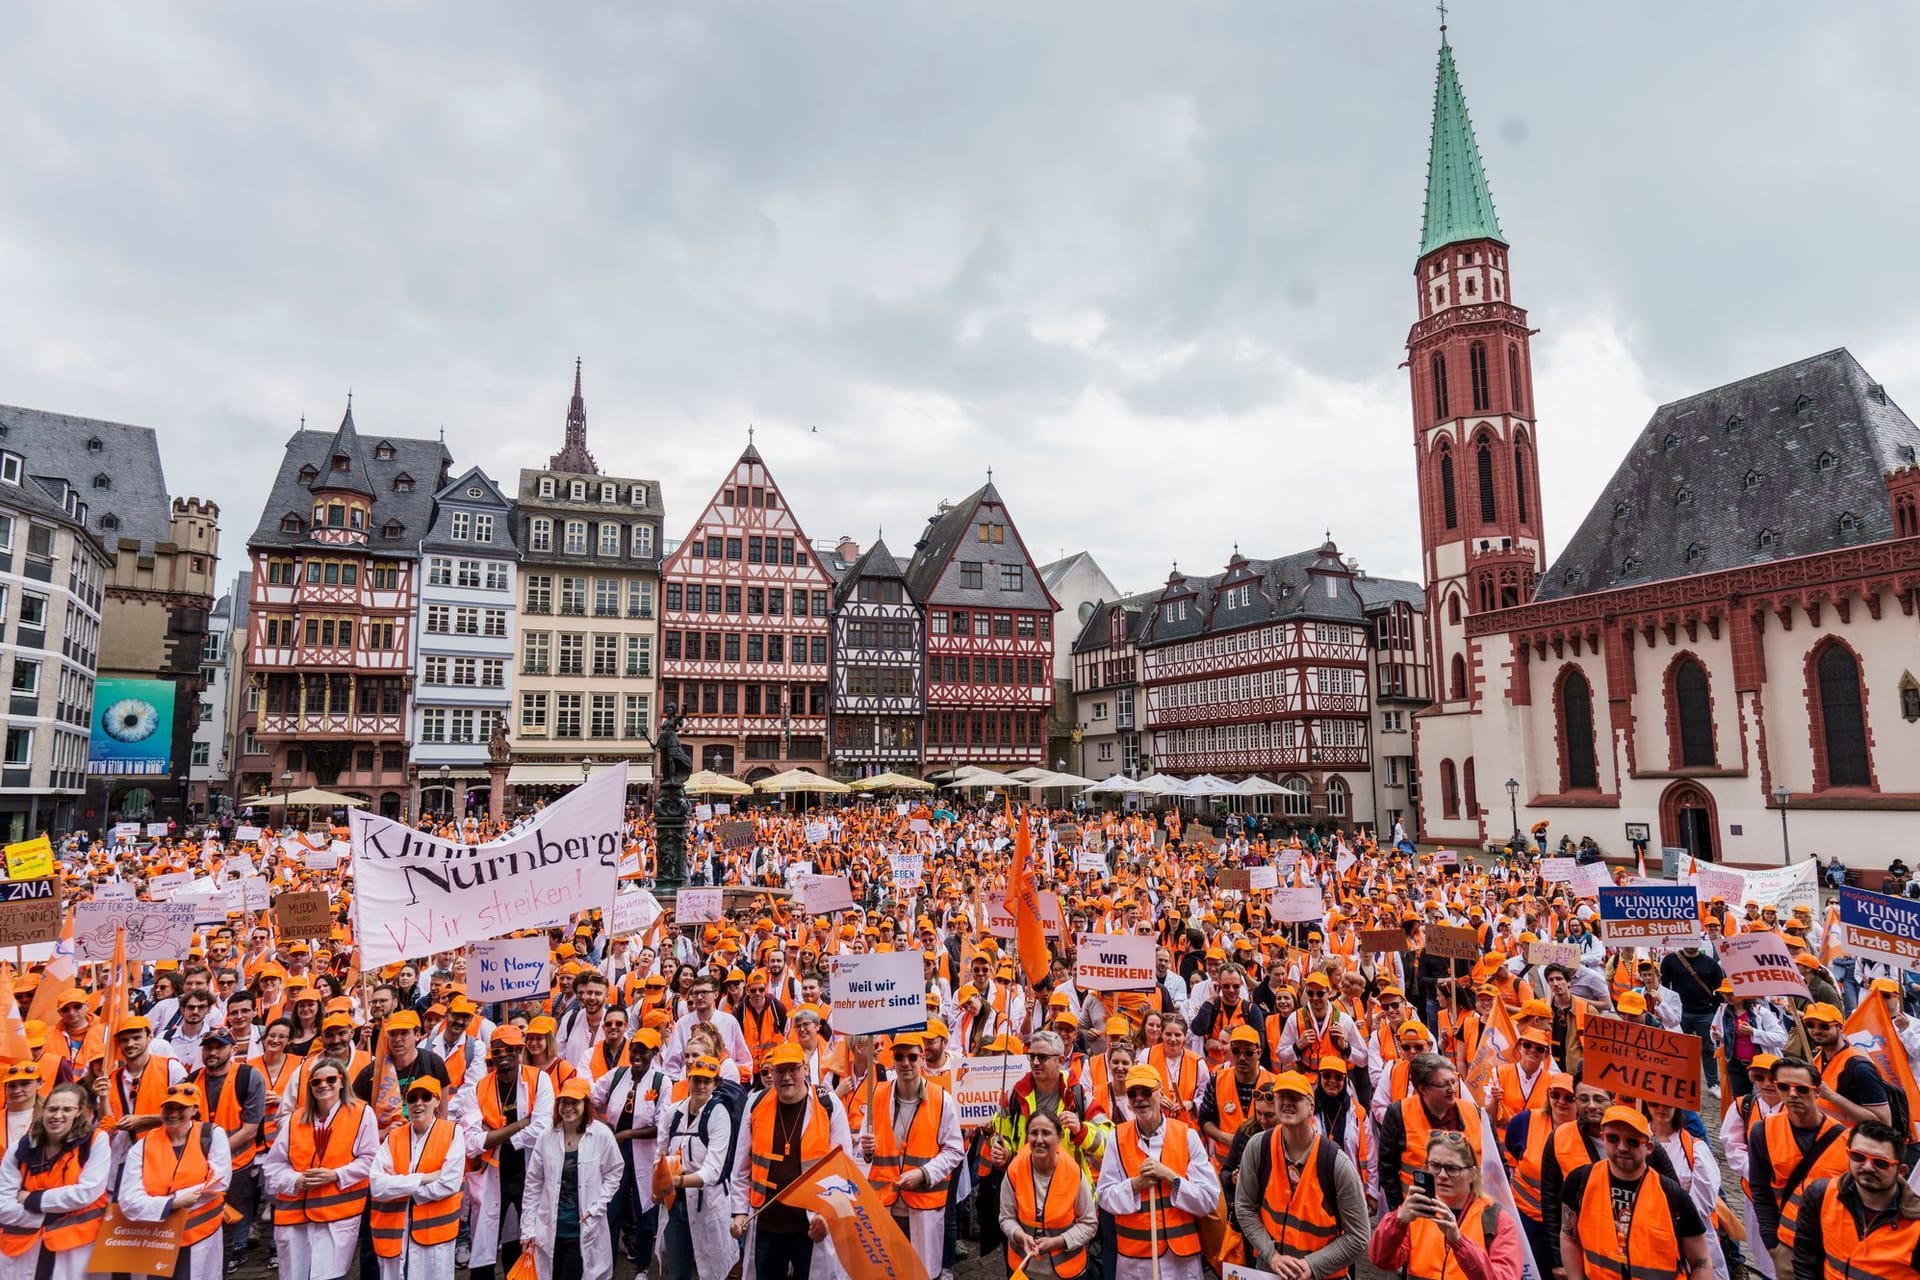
column 1724, row 653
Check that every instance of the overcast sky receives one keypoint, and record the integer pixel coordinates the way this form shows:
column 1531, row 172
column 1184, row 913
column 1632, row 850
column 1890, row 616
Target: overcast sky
column 1151, row 262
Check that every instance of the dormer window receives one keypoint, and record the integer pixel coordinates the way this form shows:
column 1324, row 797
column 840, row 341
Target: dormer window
column 609, row 493
column 103, row 481
column 1752, row 480
column 1621, row 508
column 1767, row 538
column 1825, row 462
column 291, row 523
column 546, row 486
column 1683, row 497
column 1908, row 453
column 342, row 464
column 392, row 529
column 1848, row 522
column 1671, row 443
column 1694, row 552
column 403, row 483
column 577, row 491
column 1630, row 565
column 309, row 473
column 95, row 445
column 1736, row 422
column 1802, row 404
column 109, row 521
column 639, row 495
column 383, row 451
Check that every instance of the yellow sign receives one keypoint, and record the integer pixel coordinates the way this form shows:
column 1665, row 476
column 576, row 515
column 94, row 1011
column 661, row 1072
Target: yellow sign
column 30, row 858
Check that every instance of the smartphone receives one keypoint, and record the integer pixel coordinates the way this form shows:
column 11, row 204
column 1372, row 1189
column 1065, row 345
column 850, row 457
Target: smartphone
column 1423, row 1182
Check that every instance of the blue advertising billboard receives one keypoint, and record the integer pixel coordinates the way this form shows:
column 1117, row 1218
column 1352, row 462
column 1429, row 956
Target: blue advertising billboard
column 132, row 729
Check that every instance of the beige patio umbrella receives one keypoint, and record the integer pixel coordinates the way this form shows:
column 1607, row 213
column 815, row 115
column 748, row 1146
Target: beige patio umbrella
column 890, row 782
column 800, row 780
column 315, row 798
column 708, row 783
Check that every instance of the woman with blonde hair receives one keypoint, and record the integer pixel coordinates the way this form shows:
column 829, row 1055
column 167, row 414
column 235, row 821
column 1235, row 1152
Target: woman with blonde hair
column 53, row 1190
column 317, row 1172
column 1452, row 1226
column 573, row 1174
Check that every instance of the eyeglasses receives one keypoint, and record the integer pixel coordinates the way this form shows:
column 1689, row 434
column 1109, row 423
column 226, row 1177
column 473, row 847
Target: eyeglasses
column 1625, row 1141
column 1796, row 1090
column 1042, row 1057
column 1560, row 1097
column 1446, row 1086
column 1448, row 1170
column 1243, row 1051
column 1872, row 1162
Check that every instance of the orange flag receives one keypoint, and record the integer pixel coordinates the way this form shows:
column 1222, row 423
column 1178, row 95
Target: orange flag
column 55, row 978
column 387, row 1103
column 1869, row 1028
column 13, row 1028
column 1023, row 902
column 864, row 1235
column 103, row 1037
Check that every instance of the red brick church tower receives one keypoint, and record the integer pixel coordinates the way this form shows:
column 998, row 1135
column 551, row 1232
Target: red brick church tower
column 1473, row 416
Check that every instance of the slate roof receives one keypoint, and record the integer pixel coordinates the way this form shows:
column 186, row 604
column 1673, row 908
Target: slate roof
column 61, row 447
column 1055, row 572
column 1099, row 623
column 1459, row 201
column 1290, row 588
column 1761, row 469
column 453, row 497
column 940, row 544
column 875, row 562
column 425, row 461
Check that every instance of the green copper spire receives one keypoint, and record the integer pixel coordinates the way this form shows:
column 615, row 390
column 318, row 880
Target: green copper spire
column 1459, row 205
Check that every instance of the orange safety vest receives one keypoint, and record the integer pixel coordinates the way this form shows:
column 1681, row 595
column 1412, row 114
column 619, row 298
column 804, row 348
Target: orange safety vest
column 1309, row 1047
column 1232, row 1105
column 1652, row 1248
column 1784, row 1150
column 1830, row 1077
column 148, row 1093
column 760, row 1029
column 276, row 1086
column 1300, row 1216
column 597, row 1063
column 1055, row 1217
column 1179, row 1233
column 434, row 1221
column 891, row 1160
column 227, row 1114
column 815, row 1142
column 559, row 1071
column 1413, row 1117
column 189, row 1168
column 339, row 1202
column 57, row 1231
column 1886, row 1250
column 1428, row 1250
column 1527, row 1191
column 1514, row 1099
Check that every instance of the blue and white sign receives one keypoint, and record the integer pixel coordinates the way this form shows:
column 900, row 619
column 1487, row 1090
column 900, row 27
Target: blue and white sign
column 1879, row 927
column 1649, row 915
column 509, row 969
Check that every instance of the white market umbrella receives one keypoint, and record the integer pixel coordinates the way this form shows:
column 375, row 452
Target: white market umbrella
column 800, row 780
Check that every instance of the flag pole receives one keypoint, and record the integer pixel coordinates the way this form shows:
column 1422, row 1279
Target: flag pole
column 1153, row 1226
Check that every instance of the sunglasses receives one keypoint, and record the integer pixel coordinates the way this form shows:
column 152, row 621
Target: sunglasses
column 1243, row 1051
column 1140, row 1095
column 1797, row 1090
column 331, row 1082
column 906, row 1057
column 1624, row 1140
column 1872, row 1162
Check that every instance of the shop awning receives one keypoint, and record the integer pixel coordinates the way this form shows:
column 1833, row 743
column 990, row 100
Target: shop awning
column 566, row 773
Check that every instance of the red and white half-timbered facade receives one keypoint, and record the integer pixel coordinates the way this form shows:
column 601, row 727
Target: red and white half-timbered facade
column 334, row 597
column 989, row 682
column 744, row 631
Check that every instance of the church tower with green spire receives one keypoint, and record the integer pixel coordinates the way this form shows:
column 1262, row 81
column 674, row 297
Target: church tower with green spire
column 1471, row 368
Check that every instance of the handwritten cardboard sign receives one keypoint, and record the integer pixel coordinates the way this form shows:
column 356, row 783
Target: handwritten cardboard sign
column 1546, row 953
column 1634, row 1060
column 698, row 906
column 30, row 911
column 1372, row 940
column 1453, row 943
column 738, row 835
column 308, row 914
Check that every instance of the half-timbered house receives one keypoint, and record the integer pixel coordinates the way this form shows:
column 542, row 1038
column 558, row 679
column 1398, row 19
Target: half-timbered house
column 989, row 637
column 744, row 630
column 876, row 657
column 335, row 593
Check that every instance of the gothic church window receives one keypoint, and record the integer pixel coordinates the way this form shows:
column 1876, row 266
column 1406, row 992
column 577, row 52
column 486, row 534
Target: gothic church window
column 1843, row 721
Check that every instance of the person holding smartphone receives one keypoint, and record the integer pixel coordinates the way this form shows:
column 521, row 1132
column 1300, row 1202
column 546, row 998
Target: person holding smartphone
column 1445, row 1223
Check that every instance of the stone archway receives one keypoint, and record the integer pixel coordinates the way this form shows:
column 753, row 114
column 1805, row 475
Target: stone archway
column 1690, row 820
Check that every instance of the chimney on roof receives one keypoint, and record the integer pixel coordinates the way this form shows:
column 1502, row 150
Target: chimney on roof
column 848, row 550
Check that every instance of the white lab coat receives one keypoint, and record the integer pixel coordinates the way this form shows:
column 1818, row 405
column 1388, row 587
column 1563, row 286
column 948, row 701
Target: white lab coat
column 322, row 1250
column 204, row 1261
column 417, row 1262
column 1198, row 1193
column 483, row 1188
column 927, row 1228
column 610, row 1100
column 600, row 1173
column 95, row 1177
column 826, row 1265
column 708, row 1219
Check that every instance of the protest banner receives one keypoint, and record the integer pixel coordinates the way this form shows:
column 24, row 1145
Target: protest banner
column 246, row 834
column 307, row 914
column 980, row 1083
column 1114, row 962
column 1268, row 877
column 1634, row 1060
column 1374, row 940
column 1785, row 887
column 1649, row 915
column 114, row 891
column 817, row 833
column 1000, row 917
column 1236, row 878
column 29, row 859
column 1546, row 953
column 818, row 895
column 1452, row 943
column 156, row 830
column 1557, row 870
column 30, row 911
column 1589, row 878
column 1881, row 927
column 167, row 883
column 698, row 906
column 909, row 870
column 155, row 930
column 634, row 910
column 416, row 893
column 509, row 968
column 1297, row 905
column 1089, row 860
column 878, row 992
column 1759, row 964
column 738, row 835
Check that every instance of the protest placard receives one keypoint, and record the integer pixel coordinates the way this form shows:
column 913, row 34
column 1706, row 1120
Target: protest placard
column 1000, row 918
column 255, row 893
column 30, row 911
column 114, row 891
column 1452, row 943
column 1240, row 878
column 416, row 893
column 321, row 860
column 29, row 859
column 818, row 895
column 698, row 906
column 155, row 930
column 909, row 870
column 246, row 833
column 164, row 885
column 1446, row 858
column 1785, row 887
column 1089, row 860
column 919, row 826
column 1297, row 905
column 1114, row 962
column 1557, row 870
column 1234, row 1271
column 307, row 914
column 1634, row 1060
column 878, row 992
column 509, row 968
column 1881, row 927
column 1546, row 953
column 1759, row 964
column 634, row 910
column 1649, row 915
column 156, row 830
column 979, row 1084
column 1589, row 878
column 738, row 835
column 818, row 833
column 703, row 813
column 1374, row 940
column 1266, row 877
